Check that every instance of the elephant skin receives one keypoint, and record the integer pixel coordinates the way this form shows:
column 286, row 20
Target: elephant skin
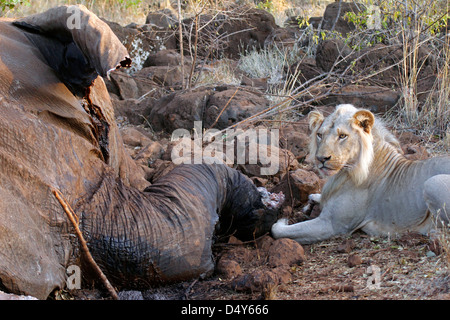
column 57, row 131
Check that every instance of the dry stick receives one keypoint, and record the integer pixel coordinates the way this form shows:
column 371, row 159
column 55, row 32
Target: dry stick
column 194, row 58
column 337, row 16
column 223, row 109
column 257, row 116
column 180, row 31
column 74, row 220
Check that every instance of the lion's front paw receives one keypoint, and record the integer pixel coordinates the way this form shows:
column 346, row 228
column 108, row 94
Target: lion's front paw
column 313, row 199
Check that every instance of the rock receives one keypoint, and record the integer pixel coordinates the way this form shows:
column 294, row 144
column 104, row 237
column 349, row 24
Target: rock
column 228, row 268
column 161, row 168
column 408, row 137
column 333, row 53
column 346, row 246
column 170, row 76
column 285, row 252
column 283, row 274
column 286, row 162
column 283, row 37
column 315, row 21
column 165, row 18
column 374, row 98
column 134, row 137
column 387, row 58
column 259, row 181
column 415, row 152
column 380, row 57
column 240, row 254
column 234, row 240
column 125, row 84
column 256, row 281
column 256, row 83
column 263, row 244
column 338, row 10
column 166, row 58
column 240, row 105
column 131, row 109
column 227, row 36
column 140, row 41
column 180, row 110
column 296, row 140
column 354, row 260
column 308, row 69
column 149, row 153
column 301, row 183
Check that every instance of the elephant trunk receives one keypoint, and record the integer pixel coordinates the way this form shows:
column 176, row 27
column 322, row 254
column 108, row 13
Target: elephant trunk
column 166, row 233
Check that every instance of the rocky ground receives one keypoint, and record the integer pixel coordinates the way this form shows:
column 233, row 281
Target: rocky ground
column 357, row 267
column 151, row 101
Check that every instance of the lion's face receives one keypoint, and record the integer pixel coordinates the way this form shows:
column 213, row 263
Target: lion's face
column 343, row 140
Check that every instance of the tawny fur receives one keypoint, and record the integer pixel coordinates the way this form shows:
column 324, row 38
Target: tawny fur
column 370, row 184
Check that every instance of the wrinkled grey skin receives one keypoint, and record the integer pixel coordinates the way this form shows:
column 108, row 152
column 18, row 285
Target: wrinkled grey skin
column 57, row 131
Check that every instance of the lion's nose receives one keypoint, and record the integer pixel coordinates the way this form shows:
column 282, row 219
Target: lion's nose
column 323, row 159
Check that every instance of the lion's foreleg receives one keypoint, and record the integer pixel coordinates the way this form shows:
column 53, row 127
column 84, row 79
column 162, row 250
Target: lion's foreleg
column 304, row 232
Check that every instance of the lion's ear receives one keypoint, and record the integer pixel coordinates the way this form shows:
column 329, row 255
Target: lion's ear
column 315, row 119
column 364, row 119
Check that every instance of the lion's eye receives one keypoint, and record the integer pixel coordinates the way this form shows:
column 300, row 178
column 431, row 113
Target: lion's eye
column 342, row 136
column 319, row 136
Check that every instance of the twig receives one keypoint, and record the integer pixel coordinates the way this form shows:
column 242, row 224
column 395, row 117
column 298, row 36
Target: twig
column 337, row 16
column 188, row 290
column 180, row 31
column 223, row 109
column 74, row 220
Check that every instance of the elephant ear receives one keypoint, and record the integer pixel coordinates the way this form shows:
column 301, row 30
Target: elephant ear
column 76, row 44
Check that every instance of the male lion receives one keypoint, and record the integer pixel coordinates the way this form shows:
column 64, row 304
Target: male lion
column 371, row 186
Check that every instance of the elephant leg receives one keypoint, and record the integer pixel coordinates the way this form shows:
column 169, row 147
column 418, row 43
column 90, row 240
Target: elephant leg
column 437, row 197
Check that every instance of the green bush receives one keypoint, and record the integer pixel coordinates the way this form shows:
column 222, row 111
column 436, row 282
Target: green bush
column 7, row 5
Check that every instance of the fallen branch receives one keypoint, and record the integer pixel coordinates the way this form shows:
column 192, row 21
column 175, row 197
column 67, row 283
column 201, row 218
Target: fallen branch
column 223, row 109
column 74, row 220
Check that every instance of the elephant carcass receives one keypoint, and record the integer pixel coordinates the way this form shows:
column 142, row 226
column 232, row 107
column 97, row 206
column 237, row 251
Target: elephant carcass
column 57, row 131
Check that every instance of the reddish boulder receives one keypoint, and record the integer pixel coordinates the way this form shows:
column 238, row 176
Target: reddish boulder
column 230, row 35
column 334, row 17
column 297, row 186
column 256, row 281
column 285, row 252
column 228, row 268
column 182, row 109
column 333, row 54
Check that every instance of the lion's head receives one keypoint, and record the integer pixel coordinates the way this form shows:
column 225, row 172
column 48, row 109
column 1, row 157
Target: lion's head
column 342, row 141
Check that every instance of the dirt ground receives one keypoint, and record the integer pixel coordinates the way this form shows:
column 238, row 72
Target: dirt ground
column 408, row 269
column 356, row 267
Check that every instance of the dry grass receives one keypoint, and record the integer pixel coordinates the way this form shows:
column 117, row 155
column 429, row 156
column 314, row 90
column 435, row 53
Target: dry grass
column 128, row 11
column 120, row 11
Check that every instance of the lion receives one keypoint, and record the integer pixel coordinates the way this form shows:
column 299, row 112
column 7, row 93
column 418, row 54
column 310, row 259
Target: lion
column 370, row 185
